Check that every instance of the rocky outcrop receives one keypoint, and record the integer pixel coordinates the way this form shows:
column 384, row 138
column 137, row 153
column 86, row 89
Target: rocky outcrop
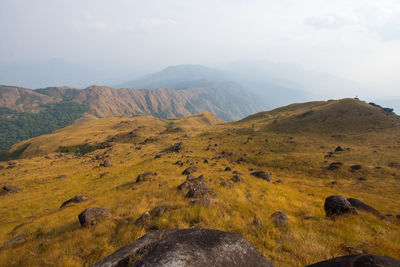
column 189, row 247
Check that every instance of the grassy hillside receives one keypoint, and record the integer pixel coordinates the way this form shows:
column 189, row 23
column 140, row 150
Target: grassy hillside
column 266, row 141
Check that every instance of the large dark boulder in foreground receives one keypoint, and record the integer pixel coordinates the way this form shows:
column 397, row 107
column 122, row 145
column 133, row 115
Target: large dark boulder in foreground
column 359, row 205
column 262, row 175
column 189, row 247
column 360, row 260
column 92, row 216
column 337, row 205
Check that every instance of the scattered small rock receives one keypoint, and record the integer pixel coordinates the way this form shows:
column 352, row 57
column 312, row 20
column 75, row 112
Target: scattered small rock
column 179, row 163
column 145, row 176
column 337, row 205
column 63, row 176
column 200, row 191
column 237, row 178
column 256, row 222
column 362, row 179
column 10, row 189
column 339, row 149
column 92, row 216
column 334, row 165
column 228, row 169
column 157, row 156
column 355, row 167
column 278, row 181
column 190, row 170
column 279, row 218
column 13, row 242
column 104, row 174
column 106, row 163
column 75, row 199
column 262, row 175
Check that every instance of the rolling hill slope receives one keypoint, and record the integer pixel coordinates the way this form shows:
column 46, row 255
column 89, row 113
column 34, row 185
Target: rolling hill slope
column 111, row 176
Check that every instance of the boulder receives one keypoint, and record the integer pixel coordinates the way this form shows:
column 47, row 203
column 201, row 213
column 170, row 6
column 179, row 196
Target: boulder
column 106, row 163
column 279, row 218
column 191, row 182
column 92, row 216
column 187, row 247
column 334, row 166
column 75, row 199
column 179, row 163
column 337, row 205
column 11, row 189
column 355, row 167
column 262, row 175
column 359, row 205
column 359, row 260
column 338, row 149
column 145, row 176
column 200, row 191
column 237, row 178
column 189, row 170
column 228, row 169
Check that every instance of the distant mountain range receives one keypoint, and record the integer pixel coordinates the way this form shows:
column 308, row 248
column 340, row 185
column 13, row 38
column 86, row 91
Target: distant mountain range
column 173, row 92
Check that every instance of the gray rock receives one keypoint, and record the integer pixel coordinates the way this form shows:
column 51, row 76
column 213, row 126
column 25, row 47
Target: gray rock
column 106, row 163
column 92, row 216
column 190, row 170
column 13, row 242
column 188, row 247
column 11, row 189
column 359, row 205
column 337, row 205
column 360, row 260
column 200, row 191
column 145, row 176
column 75, row 199
column 279, row 219
column 262, row 175
column 237, row 178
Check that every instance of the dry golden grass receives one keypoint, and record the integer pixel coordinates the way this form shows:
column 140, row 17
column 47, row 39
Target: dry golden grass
column 55, row 238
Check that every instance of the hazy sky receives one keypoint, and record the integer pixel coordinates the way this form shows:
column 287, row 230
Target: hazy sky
column 355, row 39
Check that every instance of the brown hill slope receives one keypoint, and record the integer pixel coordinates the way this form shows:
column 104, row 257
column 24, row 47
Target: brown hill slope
column 328, row 117
column 23, row 100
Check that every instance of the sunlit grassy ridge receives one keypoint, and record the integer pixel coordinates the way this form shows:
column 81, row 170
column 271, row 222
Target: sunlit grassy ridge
column 54, row 236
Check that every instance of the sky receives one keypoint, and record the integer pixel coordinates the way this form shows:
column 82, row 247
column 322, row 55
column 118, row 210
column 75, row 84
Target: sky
column 357, row 40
